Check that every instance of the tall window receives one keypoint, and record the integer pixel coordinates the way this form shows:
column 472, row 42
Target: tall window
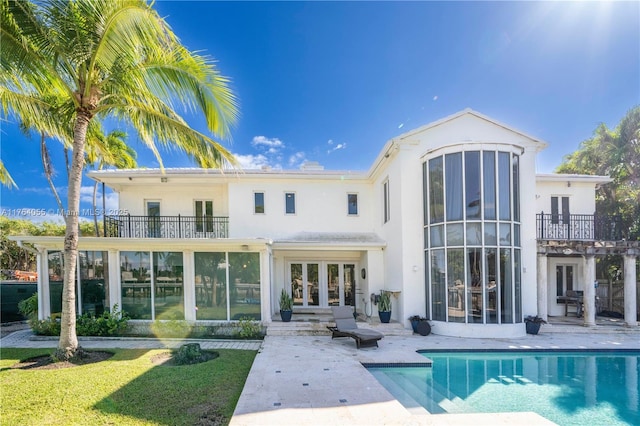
column 472, row 237
column 560, row 210
column 386, row 205
column 204, row 215
column 258, row 202
column 290, row 203
column 352, row 204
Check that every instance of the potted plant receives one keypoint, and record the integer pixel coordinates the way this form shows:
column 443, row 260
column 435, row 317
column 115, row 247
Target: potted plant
column 533, row 323
column 384, row 306
column 420, row 325
column 286, row 306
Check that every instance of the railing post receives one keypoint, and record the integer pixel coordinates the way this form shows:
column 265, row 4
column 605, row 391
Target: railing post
column 179, row 227
column 542, row 234
column 129, row 223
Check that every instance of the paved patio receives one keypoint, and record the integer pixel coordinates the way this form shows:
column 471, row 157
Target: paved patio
column 314, row 380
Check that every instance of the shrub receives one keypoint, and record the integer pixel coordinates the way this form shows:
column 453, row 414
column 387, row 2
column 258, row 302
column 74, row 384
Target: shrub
column 29, row 306
column 191, row 353
column 247, row 328
column 108, row 324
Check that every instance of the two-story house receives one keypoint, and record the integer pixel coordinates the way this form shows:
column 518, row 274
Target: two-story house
column 451, row 218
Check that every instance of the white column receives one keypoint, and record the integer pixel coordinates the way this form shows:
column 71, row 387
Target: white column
column 44, row 307
column 266, row 282
column 189, row 285
column 115, row 285
column 630, row 288
column 541, row 275
column 589, row 302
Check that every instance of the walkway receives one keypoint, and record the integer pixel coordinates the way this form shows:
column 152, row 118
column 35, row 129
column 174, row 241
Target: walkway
column 313, row 380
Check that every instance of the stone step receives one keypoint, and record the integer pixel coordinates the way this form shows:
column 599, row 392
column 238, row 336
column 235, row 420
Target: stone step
column 319, row 328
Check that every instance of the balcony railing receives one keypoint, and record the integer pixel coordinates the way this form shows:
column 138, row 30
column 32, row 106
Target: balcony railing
column 578, row 227
column 127, row 226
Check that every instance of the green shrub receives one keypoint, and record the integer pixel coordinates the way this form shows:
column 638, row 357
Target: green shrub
column 108, row 324
column 47, row 327
column 191, row 353
column 29, row 306
column 247, row 328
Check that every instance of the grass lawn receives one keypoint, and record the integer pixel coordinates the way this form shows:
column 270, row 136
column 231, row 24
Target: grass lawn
column 126, row 389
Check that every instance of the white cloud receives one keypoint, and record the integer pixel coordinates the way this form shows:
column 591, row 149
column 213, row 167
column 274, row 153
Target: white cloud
column 337, row 147
column 252, row 161
column 271, row 145
column 296, row 159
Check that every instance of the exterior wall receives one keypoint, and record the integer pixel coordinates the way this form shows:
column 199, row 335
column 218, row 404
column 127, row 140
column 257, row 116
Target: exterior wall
column 581, row 195
column 468, row 133
column 321, row 206
column 174, row 198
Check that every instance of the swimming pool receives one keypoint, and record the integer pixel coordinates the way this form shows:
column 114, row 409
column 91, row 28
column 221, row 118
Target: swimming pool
column 568, row 388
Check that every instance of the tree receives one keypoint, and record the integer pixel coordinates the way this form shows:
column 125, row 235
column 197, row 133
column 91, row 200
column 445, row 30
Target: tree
column 111, row 150
column 614, row 153
column 68, row 63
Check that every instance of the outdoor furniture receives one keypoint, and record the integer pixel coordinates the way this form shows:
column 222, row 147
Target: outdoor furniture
column 572, row 297
column 346, row 327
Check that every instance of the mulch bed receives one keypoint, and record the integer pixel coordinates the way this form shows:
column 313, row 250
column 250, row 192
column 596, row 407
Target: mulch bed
column 45, row 362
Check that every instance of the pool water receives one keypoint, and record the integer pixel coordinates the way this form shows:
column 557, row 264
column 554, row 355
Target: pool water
column 568, row 388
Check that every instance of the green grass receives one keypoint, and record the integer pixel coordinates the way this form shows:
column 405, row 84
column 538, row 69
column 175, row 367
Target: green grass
column 127, row 389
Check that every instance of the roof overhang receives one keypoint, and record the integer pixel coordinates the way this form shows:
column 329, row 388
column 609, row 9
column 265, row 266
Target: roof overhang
column 330, row 241
column 147, row 244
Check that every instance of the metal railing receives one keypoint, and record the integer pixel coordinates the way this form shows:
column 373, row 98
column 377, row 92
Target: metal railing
column 578, row 227
column 127, row 226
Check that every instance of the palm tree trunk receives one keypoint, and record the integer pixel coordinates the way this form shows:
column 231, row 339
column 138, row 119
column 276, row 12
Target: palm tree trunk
column 48, row 172
column 68, row 343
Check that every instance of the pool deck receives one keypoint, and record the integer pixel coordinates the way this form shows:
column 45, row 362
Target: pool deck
column 314, row 380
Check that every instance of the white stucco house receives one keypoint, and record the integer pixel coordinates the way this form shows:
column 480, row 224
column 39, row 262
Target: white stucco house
column 451, row 218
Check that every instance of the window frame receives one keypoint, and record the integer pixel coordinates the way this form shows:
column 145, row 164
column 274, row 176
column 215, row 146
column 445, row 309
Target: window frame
column 255, row 202
column 286, row 203
column 386, row 201
column 349, row 204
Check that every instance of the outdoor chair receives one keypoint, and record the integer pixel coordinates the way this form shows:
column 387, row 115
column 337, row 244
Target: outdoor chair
column 346, row 327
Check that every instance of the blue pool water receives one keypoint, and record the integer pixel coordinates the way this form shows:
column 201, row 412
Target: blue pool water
column 568, row 388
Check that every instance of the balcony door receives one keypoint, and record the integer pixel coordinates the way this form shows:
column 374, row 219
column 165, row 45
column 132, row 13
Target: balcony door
column 153, row 219
column 204, row 217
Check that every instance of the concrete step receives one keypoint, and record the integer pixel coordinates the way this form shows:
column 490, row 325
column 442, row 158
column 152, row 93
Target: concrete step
column 318, row 327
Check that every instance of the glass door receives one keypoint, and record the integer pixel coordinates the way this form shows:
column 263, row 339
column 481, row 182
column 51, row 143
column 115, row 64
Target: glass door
column 334, row 287
column 153, row 218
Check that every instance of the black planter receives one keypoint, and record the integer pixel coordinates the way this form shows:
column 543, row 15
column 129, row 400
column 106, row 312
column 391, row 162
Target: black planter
column 285, row 315
column 385, row 316
column 532, row 327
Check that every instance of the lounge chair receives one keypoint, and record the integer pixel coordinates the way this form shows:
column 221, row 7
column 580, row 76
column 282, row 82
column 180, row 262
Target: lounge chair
column 346, row 327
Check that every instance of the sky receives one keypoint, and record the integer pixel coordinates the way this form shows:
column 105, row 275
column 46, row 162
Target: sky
column 332, row 82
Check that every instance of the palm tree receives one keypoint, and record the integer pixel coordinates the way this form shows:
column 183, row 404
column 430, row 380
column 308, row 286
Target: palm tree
column 109, row 150
column 68, row 63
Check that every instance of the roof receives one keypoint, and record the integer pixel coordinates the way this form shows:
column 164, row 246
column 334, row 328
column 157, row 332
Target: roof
column 561, row 177
column 345, row 240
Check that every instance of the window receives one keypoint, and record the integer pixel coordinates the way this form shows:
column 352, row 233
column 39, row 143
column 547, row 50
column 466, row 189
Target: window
column 290, row 203
column 204, row 216
column 352, row 204
column 472, row 237
column 258, row 202
column 385, row 196
column 559, row 210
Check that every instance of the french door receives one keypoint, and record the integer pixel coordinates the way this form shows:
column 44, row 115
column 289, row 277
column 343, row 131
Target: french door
column 322, row 284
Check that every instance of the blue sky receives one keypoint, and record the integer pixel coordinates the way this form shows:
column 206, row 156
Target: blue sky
column 333, row 81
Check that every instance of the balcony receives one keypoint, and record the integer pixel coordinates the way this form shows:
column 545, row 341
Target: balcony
column 127, row 226
column 578, row 227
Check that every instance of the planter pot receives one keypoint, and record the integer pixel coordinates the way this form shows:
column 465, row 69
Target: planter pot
column 532, row 327
column 385, row 316
column 414, row 325
column 423, row 328
column 285, row 315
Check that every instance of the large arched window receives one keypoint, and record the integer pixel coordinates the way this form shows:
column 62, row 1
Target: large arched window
column 472, row 236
